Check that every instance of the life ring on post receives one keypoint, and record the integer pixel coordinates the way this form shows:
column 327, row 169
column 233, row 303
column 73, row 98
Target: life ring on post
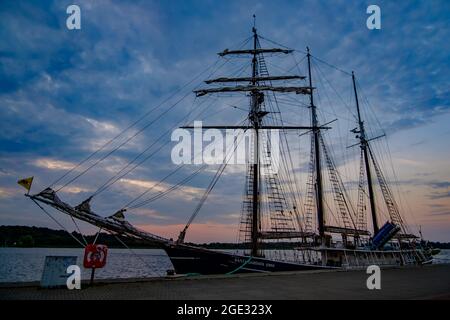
column 95, row 256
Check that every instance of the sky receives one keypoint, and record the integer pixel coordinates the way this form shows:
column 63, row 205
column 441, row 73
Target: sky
column 64, row 93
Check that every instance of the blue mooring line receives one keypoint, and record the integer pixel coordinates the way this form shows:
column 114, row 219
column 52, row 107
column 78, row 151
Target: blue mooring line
column 240, row 267
column 228, row 273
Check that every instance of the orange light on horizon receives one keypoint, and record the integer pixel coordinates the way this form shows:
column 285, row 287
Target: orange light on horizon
column 197, row 232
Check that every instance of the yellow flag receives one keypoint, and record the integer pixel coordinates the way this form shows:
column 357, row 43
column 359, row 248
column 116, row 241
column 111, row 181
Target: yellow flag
column 26, row 183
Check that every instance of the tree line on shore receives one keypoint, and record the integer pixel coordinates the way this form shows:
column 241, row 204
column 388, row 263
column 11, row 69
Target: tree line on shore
column 29, row 237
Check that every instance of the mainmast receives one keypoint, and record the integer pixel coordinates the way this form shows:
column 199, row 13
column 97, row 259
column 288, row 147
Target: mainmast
column 255, row 118
column 318, row 169
column 256, row 86
column 364, row 144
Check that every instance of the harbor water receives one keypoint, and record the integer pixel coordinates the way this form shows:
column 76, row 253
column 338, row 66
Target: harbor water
column 26, row 264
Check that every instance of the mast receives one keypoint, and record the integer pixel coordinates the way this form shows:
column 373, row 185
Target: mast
column 255, row 119
column 316, row 132
column 364, row 144
column 256, row 85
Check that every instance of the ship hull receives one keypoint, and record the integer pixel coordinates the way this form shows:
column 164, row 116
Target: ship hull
column 196, row 260
column 193, row 260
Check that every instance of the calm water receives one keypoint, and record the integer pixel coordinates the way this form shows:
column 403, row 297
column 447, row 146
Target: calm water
column 26, row 264
column 442, row 257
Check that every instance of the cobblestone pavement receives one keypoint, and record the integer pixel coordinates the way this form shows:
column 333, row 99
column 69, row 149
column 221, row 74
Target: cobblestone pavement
column 429, row 282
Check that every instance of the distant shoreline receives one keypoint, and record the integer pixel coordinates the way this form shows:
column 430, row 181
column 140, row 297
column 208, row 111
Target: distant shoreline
column 38, row 237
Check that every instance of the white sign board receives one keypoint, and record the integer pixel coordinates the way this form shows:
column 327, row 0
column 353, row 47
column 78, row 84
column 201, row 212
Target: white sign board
column 55, row 270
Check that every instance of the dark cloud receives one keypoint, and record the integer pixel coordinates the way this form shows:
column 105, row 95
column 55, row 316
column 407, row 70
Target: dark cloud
column 445, row 213
column 440, row 184
column 443, row 190
column 439, row 195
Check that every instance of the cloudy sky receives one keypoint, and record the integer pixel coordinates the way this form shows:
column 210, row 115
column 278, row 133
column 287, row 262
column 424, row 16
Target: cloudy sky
column 64, row 93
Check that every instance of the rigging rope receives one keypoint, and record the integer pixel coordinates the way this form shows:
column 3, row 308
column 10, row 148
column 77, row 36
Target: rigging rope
column 149, row 189
column 303, row 52
column 98, row 233
column 145, row 127
column 331, row 65
column 211, row 186
column 387, row 151
column 133, row 124
column 119, row 175
column 58, row 223
column 337, row 93
column 163, row 193
column 123, row 143
column 129, row 204
column 291, row 184
column 137, row 133
column 78, row 228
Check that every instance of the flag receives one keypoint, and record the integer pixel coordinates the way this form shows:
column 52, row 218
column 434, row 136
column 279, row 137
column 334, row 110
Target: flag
column 119, row 216
column 26, row 183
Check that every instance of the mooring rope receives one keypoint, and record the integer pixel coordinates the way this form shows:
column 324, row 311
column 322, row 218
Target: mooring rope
column 240, row 267
column 132, row 251
column 228, row 273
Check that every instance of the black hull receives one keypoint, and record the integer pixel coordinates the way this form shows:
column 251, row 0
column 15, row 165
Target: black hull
column 193, row 260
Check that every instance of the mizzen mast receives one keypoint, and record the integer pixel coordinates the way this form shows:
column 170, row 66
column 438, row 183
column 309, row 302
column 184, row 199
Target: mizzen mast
column 364, row 144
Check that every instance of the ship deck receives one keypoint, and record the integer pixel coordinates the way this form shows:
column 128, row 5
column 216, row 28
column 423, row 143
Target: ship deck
column 424, row 282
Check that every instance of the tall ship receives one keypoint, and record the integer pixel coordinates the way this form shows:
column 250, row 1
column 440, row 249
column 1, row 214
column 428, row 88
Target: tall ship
column 291, row 218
